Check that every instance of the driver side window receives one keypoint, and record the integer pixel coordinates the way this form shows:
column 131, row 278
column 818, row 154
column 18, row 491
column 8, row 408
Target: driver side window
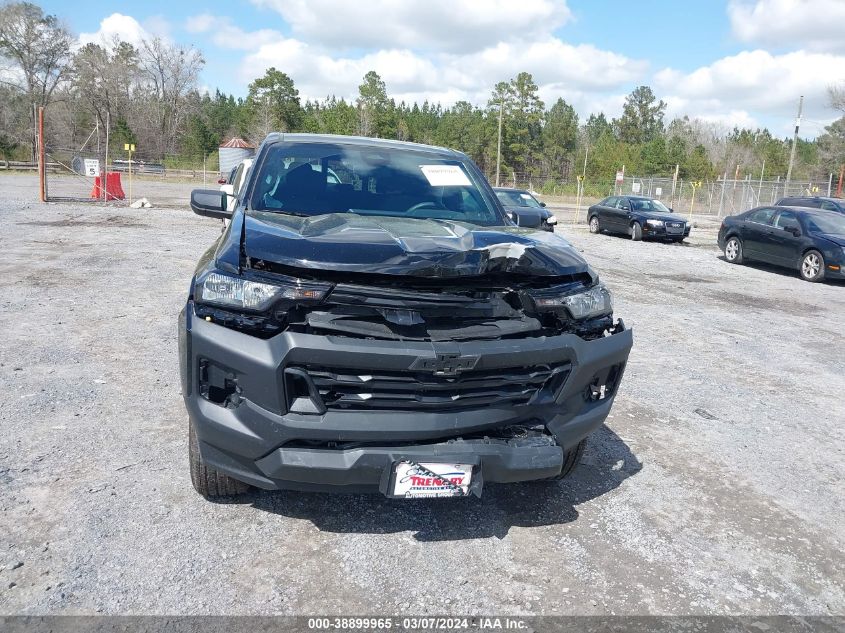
column 762, row 216
column 787, row 221
column 623, row 203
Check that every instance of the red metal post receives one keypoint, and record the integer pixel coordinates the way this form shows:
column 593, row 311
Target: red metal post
column 42, row 164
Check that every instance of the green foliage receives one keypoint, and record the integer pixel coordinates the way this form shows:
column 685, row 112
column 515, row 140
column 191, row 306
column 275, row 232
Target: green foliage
column 373, row 106
column 642, row 117
column 831, row 146
column 120, row 135
column 273, row 101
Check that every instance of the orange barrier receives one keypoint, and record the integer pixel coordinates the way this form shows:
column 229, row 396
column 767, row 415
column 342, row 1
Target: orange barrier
column 114, row 190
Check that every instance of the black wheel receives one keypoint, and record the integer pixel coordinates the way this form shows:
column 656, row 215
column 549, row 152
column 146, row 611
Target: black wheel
column 678, row 240
column 733, row 250
column 812, row 266
column 570, row 460
column 636, row 232
column 206, row 480
column 595, row 227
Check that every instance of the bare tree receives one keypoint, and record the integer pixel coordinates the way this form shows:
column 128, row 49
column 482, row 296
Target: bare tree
column 105, row 79
column 171, row 71
column 836, row 97
column 38, row 47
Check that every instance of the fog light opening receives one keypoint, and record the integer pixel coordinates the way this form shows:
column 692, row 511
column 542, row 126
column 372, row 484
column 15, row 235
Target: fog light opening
column 218, row 384
column 301, row 393
column 603, row 384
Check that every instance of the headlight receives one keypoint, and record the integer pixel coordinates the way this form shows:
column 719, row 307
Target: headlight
column 654, row 222
column 236, row 292
column 589, row 304
column 551, row 219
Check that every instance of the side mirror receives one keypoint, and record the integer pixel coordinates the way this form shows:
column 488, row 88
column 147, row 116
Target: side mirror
column 542, row 204
column 795, row 231
column 210, row 203
column 514, row 217
column 671, row 210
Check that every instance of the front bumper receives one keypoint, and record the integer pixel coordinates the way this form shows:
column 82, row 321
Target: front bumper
column 255, row 437
column 662, row 232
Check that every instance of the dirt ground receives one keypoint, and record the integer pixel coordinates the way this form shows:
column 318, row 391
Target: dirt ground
column 715, row 488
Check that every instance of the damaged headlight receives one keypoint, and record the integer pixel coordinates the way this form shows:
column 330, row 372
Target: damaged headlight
column 588, row 304
column 236, row 292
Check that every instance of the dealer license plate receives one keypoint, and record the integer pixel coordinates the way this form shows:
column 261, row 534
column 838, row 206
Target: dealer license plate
column 416, row 481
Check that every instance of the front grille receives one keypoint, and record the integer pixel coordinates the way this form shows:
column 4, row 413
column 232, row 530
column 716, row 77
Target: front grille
column 674, row 227
column 360, row 389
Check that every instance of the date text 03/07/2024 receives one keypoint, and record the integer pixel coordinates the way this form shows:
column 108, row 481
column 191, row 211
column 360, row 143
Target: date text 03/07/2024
column 410, row 623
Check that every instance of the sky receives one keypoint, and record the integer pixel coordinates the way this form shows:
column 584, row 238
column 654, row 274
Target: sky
column 735, row 62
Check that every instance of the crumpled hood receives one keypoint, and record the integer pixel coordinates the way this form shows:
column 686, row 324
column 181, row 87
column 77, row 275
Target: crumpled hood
column 405, row 246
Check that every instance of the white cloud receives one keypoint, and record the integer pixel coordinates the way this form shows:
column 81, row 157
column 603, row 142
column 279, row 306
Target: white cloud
column 759, row 82
column 446, row 25
column 559, row 69
column 117, row 25
column 224, row 34
column 793, row 24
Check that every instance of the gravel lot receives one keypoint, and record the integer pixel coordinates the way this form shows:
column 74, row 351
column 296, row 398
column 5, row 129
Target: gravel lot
column 716, row 487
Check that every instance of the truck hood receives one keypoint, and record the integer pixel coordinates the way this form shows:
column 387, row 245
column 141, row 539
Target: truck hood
column 348, row 242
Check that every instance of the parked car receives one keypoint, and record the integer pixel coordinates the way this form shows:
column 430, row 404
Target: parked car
column 525, row 210
column 814, row 202
column 391, row 332
column 232, row 185
column 811, row 241
column 637, row 216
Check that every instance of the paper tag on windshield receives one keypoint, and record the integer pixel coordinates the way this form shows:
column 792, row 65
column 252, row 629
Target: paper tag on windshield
column 525, row 196
column 445, row 176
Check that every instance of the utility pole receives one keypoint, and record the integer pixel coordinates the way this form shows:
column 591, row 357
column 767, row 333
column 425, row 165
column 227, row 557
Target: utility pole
column 794, row 143
column 499, row 147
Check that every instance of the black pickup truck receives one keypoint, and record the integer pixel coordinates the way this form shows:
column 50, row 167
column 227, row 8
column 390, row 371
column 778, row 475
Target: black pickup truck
column 371, row 320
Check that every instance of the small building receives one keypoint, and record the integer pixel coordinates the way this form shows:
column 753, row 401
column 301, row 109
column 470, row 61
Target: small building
column 233, row 152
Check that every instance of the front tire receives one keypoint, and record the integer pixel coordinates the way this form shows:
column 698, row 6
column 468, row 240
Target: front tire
column 733, row 251
column 208, row 481
column 595, row 226
column 571, row 459
column 812, row 266
column 636, row 231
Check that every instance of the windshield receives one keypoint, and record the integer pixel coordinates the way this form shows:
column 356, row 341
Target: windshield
column 319, row 178
column 830, row 223
column 517, row 199
column 641, row 204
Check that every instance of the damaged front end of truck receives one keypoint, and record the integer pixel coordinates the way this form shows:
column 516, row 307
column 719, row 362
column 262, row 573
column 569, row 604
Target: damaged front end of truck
column 409, row 356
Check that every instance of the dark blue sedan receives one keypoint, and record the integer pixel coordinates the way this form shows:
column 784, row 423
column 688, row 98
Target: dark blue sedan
column 525, row 210
column 638, row 216
column 809, row 240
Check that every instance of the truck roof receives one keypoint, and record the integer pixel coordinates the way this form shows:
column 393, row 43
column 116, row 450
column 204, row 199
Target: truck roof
column 363, row 141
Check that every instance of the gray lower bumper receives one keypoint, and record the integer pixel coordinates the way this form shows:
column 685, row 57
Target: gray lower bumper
column 260, row 442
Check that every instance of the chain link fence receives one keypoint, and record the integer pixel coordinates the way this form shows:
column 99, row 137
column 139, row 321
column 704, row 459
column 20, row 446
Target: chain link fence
column 718, row 198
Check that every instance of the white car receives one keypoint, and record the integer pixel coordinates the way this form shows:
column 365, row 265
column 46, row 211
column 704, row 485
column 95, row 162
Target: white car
column 236, row 179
